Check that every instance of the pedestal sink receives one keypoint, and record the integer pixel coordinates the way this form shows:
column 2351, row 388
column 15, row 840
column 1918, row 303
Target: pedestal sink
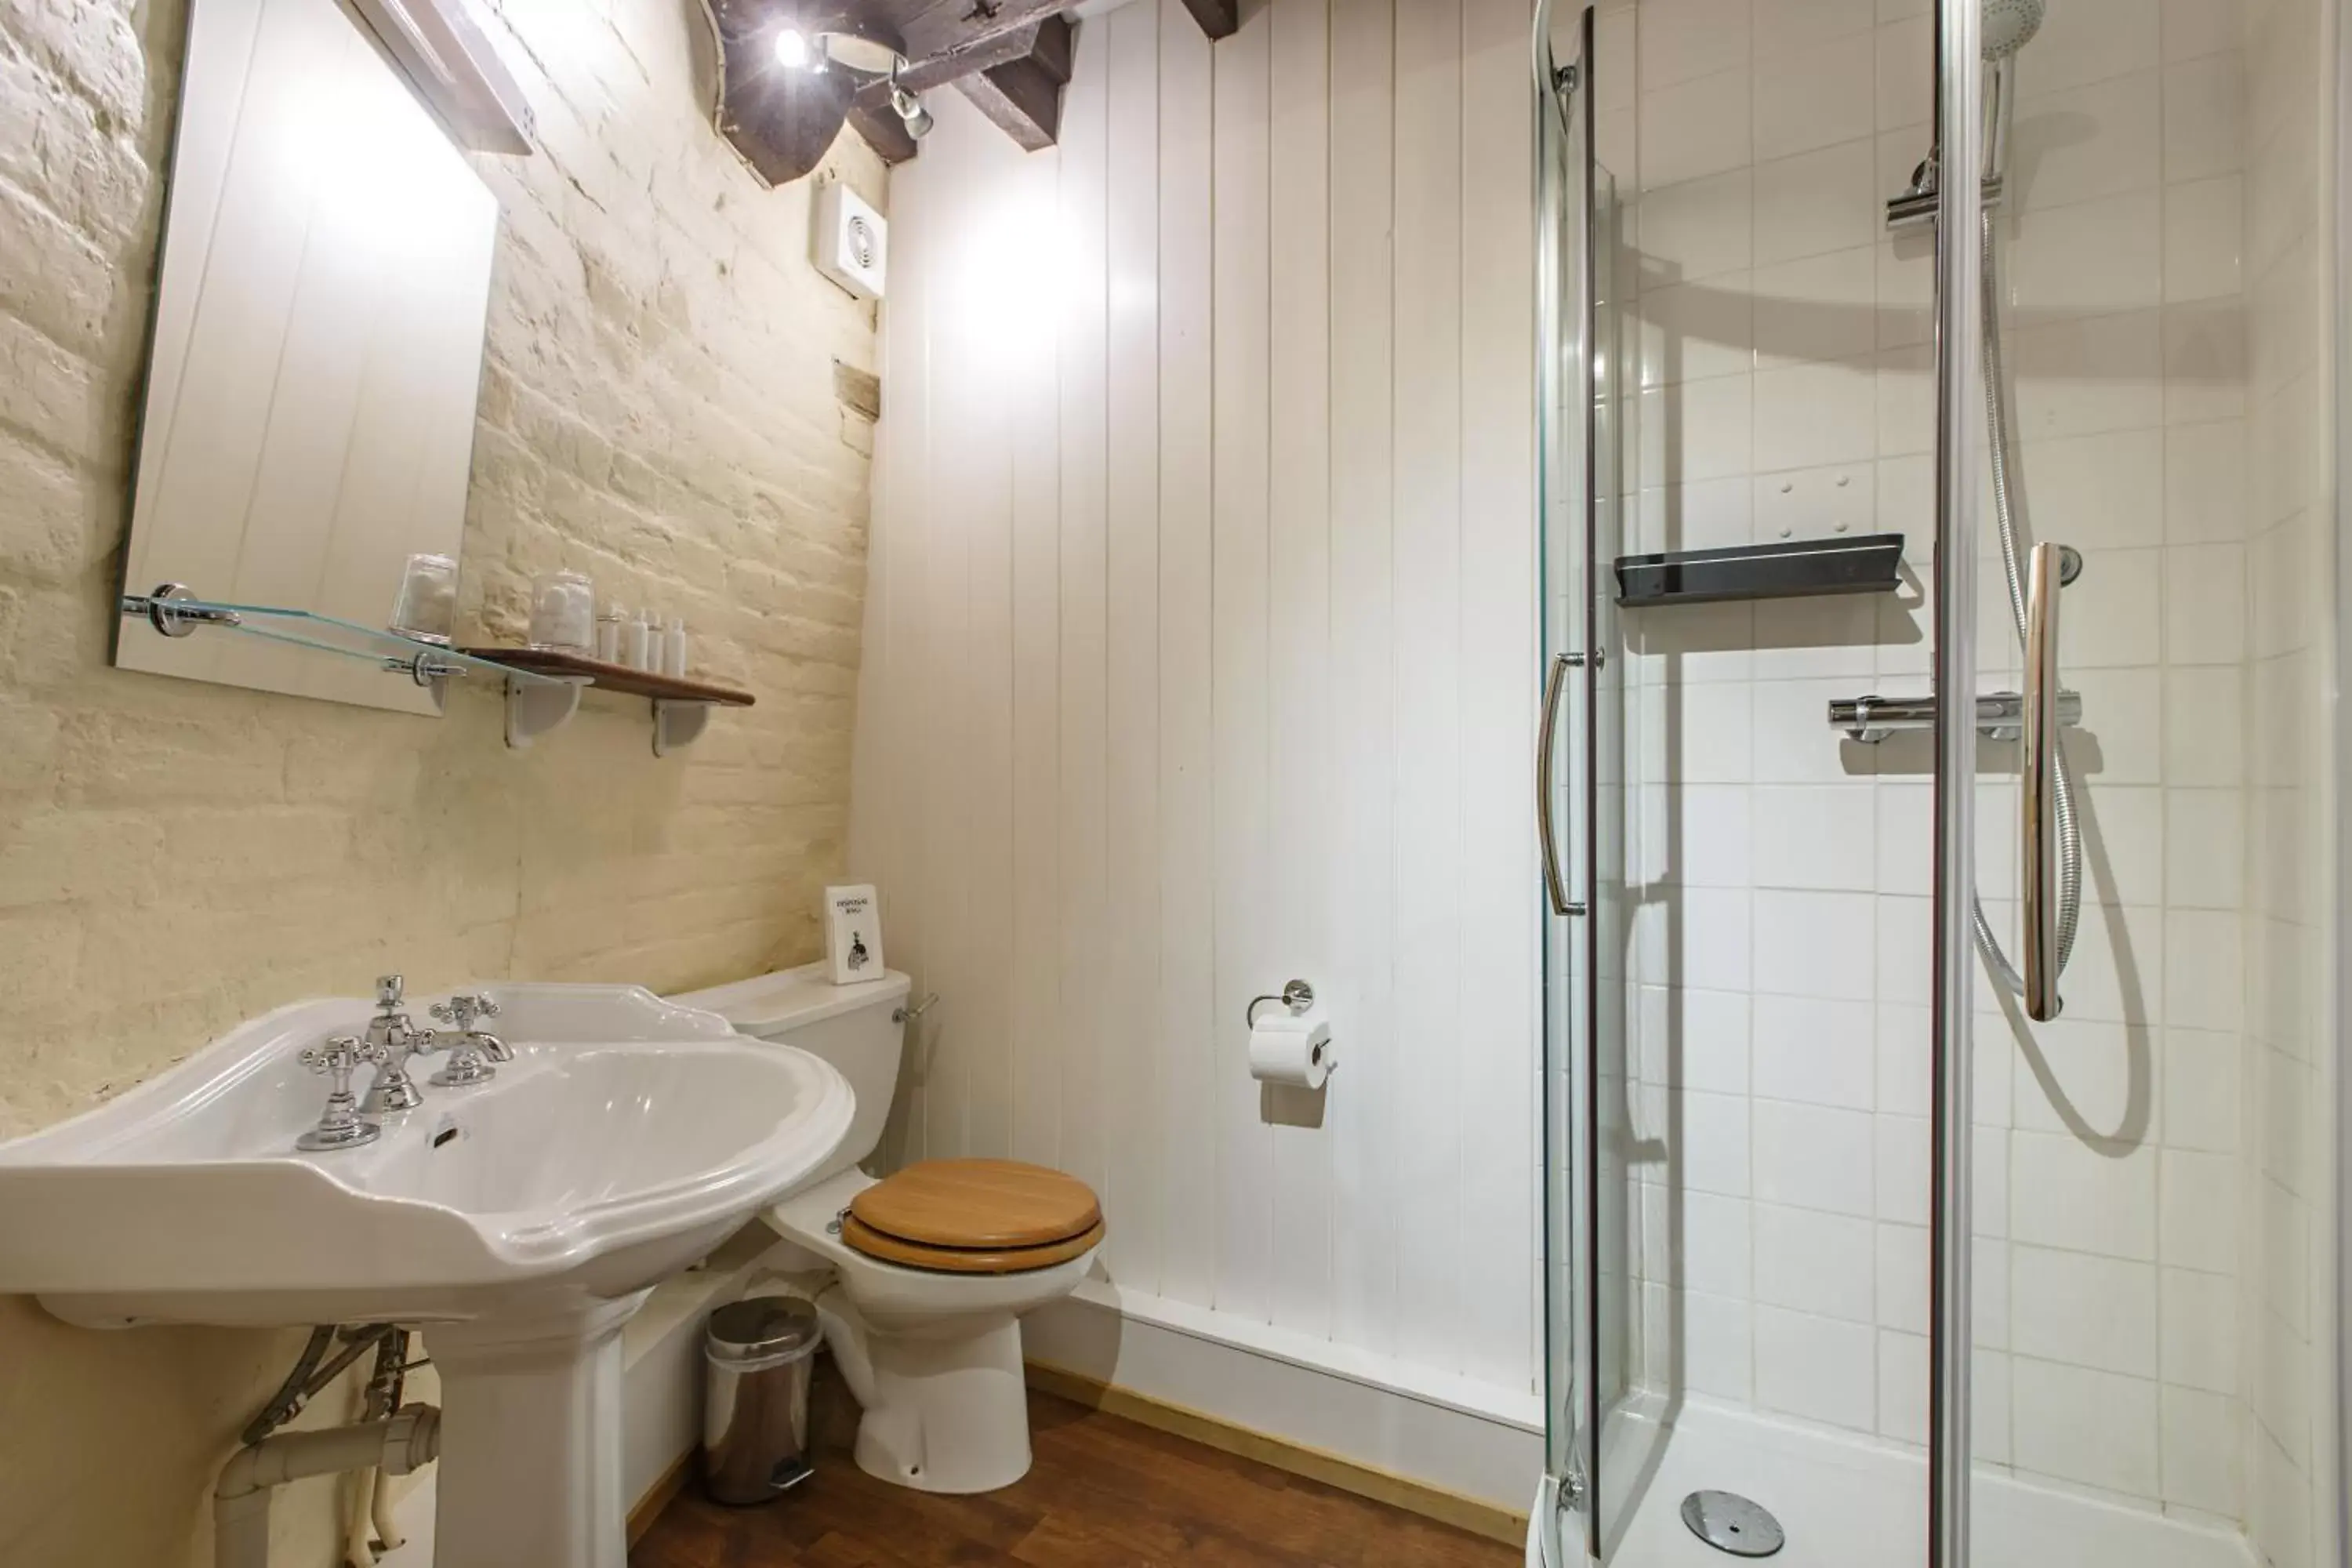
column 520, row 1221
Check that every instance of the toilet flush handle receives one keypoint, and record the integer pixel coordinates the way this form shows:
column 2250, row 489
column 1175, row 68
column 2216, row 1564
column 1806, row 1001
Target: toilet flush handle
column 905, row 1014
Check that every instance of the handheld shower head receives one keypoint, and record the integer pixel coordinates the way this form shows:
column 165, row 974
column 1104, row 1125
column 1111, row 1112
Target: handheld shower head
column 2010, row 25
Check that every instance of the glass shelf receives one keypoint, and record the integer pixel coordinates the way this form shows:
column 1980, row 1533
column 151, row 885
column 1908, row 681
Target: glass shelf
column 420, row 662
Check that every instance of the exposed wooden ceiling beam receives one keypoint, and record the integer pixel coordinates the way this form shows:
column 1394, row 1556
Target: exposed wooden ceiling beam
column 1023, row 97
column 936, row 28
column 1011, row 58
column 1218, row 18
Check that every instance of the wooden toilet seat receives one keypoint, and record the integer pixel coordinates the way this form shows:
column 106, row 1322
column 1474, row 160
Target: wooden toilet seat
column 974, row 1216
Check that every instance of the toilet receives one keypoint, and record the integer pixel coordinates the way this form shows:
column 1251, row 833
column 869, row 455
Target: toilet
column 931, row 1268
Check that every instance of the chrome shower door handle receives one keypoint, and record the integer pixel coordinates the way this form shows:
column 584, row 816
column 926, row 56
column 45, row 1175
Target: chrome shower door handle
column 2040, row 769
column 1555, row 878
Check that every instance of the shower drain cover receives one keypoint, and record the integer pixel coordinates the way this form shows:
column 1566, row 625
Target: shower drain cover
column 1729, row 1523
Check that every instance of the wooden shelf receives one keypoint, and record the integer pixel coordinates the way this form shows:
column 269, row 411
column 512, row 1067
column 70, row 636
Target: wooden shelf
column 618, row 677
column 681, row 707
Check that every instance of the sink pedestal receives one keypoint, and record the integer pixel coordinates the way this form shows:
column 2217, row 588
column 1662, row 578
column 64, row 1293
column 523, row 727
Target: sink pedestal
column 530, row 1439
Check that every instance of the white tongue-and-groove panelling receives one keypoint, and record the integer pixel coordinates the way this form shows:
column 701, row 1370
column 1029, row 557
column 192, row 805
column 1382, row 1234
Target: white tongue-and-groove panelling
column 1201, row 655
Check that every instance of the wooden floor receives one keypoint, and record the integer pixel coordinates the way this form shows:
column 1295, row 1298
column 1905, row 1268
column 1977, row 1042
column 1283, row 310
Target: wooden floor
column 1104, row 1493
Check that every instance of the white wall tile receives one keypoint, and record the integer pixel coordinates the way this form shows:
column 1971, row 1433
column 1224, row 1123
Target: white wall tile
column 1695, row 128
column 1701, row 230
column 1808, row 1261
column 1906, row 75
column 1810, row 414
column 1682, row 40
column 1906, row 1075
column 1905, row 1372
column 2090, row 257
column 1815, row 944
column 2200, row 1316
column 1812, row 1157
column 2084, row 1311
column 1698, row 430
column 1717, row 1347
column 2200, row 1452
column 2201, row 239
column 2203, row 974
column 1815, row 1052
column 1816, row 202
column 2195, row 28
column 2094, row 1427
column 2123, row 839
column 2123, row 723
column 1690, row 331
column 2081, row 143
column 2107, row 621
column 2202, row 1073
column 2107, row 486
column 2200, row 1215
column 2080, row 375
column 2204, row 118
column 2088, row 42
column 2204, row 604
column 1818, row 98
column 1714, row 1148
column 1799, row 26
column 2065, row 1195
column 2204, row 482
column 1905, row 1278
column 1692, row 1038
column 1817, row 1368
column 1699, row 836
column 1793, row 741
column 1706, row 514
column 1814, row 837
column 1821, row 307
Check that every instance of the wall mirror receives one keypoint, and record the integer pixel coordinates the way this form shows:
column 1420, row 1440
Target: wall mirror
column 308, row 421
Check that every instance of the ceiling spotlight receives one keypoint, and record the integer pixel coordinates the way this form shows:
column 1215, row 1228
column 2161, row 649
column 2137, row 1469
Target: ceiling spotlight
column 911, row 110
column 792, row 49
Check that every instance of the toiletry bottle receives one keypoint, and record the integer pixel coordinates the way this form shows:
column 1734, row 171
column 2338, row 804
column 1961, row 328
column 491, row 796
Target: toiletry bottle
column 608, row 634
column 648, row 640
column 674, row 648
column 632, row 642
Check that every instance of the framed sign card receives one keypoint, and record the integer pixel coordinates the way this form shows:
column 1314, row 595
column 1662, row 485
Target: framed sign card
column 853, row 936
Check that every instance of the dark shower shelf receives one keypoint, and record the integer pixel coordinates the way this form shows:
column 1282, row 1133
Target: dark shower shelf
column 1866, row 563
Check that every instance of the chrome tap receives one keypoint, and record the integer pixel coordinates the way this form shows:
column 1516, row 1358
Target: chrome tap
column 465, row 1052
column 396, row 1042
column 339, row 1125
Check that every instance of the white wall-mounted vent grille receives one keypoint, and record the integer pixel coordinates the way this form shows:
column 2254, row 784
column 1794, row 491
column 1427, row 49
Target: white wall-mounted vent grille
column 853, row 241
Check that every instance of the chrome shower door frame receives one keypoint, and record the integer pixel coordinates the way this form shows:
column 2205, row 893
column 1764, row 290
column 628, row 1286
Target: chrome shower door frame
column 1959, row 70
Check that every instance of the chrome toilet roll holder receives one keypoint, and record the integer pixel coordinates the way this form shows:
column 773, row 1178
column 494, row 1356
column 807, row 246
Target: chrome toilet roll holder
column 1297, row 996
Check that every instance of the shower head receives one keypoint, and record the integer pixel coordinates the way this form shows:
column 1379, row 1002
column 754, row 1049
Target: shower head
column 2010, row 25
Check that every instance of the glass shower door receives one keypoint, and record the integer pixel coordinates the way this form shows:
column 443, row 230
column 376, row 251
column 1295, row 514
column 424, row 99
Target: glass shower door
column 1591, row 1328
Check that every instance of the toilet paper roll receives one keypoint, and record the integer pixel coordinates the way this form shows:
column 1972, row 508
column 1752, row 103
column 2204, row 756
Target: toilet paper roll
column 1292, row 1049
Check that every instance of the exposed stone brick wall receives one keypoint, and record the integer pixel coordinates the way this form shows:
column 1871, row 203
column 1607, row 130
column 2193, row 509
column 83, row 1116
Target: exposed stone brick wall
column 659, row 409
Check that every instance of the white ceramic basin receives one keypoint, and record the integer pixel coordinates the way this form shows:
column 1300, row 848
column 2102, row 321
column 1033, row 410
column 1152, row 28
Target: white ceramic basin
column 627, row 1138
column 520, row 1221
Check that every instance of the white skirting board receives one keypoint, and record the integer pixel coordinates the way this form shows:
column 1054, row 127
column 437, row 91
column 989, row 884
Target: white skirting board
column 1469, row 1438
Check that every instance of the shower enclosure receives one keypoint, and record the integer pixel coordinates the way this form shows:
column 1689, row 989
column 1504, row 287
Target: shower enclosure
column 1938, row 1095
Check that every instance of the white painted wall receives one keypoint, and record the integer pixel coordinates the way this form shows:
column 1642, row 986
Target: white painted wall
column 1201, row 654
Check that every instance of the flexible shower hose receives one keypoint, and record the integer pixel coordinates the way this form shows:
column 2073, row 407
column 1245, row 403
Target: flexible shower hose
column 2070, row 834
